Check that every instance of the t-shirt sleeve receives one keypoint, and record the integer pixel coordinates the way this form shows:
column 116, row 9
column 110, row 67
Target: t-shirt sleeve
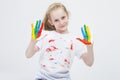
column 80, row 48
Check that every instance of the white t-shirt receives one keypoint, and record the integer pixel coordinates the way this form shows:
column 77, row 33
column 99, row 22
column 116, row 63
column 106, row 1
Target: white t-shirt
column 57, row 52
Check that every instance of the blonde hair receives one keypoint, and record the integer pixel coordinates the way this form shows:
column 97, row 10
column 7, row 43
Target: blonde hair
column 54, row 6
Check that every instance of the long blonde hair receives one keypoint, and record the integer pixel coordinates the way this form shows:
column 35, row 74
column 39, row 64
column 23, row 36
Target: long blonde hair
column 47, row 25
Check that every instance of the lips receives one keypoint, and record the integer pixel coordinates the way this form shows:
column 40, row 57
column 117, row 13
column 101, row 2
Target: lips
column 62, row 26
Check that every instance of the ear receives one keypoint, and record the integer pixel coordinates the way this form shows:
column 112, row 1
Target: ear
column 50, row 21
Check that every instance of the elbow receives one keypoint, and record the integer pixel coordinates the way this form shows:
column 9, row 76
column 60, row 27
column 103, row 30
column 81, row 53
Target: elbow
column 90, row 64
column 88, row 61
column 27, row 55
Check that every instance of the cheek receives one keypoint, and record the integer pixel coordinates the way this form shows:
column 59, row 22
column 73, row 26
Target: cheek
column 56, row 23
column 66, row 20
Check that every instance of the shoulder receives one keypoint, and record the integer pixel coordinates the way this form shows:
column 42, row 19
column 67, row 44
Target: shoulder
column 75, row 38
column 74, row 35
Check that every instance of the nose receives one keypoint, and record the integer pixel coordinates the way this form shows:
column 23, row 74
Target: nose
column 61, row 22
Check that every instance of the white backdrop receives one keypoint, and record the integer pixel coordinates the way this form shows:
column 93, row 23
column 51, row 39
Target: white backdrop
column 102, row 16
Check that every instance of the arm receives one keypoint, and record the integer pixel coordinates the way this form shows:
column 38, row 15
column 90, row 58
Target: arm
column 32, row 49
column 88, row 57
column 36, row 33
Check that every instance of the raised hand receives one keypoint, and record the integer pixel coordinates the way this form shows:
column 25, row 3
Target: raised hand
column 37, row 29
column 86, row 35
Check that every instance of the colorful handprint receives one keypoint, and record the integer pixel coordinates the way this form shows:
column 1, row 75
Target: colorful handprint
column 37, row 29
column 86, row 35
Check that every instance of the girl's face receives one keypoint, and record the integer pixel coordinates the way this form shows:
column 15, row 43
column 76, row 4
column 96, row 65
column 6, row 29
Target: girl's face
column 59, row 19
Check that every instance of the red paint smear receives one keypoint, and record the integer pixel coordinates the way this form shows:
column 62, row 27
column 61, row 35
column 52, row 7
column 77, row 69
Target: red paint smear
column 43, row 65
column 54, row 48
column 48, row 50
column 51, row 59
column 52, row 40
column 71, row 46
column 65, row 60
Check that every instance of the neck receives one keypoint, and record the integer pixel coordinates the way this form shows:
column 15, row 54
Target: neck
column 63, row 32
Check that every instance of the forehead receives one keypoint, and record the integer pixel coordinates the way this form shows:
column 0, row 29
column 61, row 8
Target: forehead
column 57, row 13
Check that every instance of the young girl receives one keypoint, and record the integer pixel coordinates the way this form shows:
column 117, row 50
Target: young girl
column 57, row 46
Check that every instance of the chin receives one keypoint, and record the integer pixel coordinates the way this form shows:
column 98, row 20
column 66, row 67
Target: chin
column 63, row 28
column 63, row 31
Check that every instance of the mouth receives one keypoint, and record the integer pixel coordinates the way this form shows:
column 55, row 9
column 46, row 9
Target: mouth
column 62, row 26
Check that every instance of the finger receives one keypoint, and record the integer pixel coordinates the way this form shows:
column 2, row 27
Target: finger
column 85, row 30
column 39, row 33
column 33, row 31
column 88, row 33
column 36, row 27
column 39, row 23
column 83, row 33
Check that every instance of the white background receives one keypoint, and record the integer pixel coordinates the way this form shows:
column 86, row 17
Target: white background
column 102, row 16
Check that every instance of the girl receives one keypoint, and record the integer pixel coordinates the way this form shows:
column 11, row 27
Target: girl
column 57, row 46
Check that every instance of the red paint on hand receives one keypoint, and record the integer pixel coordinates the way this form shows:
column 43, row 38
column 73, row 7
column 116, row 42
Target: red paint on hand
column 84, row 41
column 40, row 31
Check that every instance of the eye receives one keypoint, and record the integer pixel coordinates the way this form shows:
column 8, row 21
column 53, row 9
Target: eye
column 56, row 20
column 63, row 17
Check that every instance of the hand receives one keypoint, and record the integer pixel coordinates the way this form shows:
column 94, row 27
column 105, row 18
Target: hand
column 86, row 35
column 37, row 29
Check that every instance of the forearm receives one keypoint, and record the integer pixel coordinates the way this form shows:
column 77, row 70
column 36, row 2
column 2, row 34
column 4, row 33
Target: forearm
column 89, row 56
column 30, row 51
